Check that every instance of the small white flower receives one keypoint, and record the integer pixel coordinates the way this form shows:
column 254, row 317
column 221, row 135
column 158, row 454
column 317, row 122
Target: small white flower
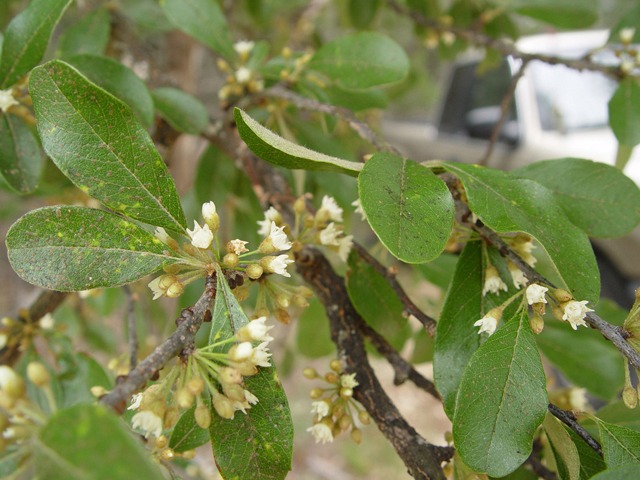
column 237, row 246
column 155, row 288
column 242, row 406
column 517, row 276
column 321, row 408
column 271, row 215
column 329, row 204
column 279, row 238
column 492, row 281
column 250, row 397
column 535, row 294
column 7, row 100
column 149, row 422
column 255, row 331
column 201, row 237
column 243, row 75
column 329, row 236
column 349, row 381
column 242, row 352
column 574, row 313
column 627, row 34
column 47, row 322
column 344, row 247
column 243, row 47
column 359, row 209
column 489, row 322
column 277, row 264
column 208, row 210
column 162, row 235
column 135, row 402
column 627, row 65
column 321, row 432
column 578, row 398
column 260, row 356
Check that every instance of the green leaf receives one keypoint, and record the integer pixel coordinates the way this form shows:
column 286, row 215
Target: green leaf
column 564, row 450
column 20, row 159
column 590, row 462
column 502, row 400
column 10, row 461
column 621, row 473
column 184, row 112
column 187, row 434
column 313, row 338
column 257, row 445
column 76, row 248
column 596, row 197
column 568, row 14
column 357, row 100
column 617, row 412
column 407, row 206
column 361, row 60
column 362, row 12
column 620, row 445
column 89, row 442
column 624, row 112
column 119, row 81
column 26, row 38
column 95, row 140
column 278, row 151
column 375, row 300
column 204, row 21
column 439, row 271
column 507, row 203
column 584, row 357
column 90, row 35
column 631, row 19
column 88, row 373
column 422, row 347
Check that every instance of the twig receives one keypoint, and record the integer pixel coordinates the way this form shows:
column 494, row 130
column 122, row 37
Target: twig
column 189, row 324
column 428, row 322
column 420, row 457
column 504, row 111
column 500, row 46
column 537, row 467
column 402, row 369
column 616, row 335
column 360, row 127
column 570, row 420
column 130, row 320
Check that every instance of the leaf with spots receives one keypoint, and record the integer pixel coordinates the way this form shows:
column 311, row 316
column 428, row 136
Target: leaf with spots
column 620, row 445
column 77, row 248
column 508, row 203
column 27, row 37
column 187, row 434
column 20, row 158
column 96, row 141
column 407, row 206
column 501, row 401
column 257, row 445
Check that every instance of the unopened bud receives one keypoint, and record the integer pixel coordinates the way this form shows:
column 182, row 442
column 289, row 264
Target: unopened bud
column 242, row 293
column 336, row 430
column 246, row 369
column 223, row 406
column 234, row 391
column 310, row 373
column 223, row 65
column 345, row 422
column 364, row 417
column 331, row 378
column 98, row 391
column 300, row 205
column 185, row 398
column 202, row 416
column 6, row 401
column 356, row 435
column 254, row 271
column 167, row 454
column 562, row 295
column 286, row 53
column 282, row 316
column 309, row 221
column 283, row 300
column 189, row 454
column 337, row 410
column 261, row 312
column 299, row 301
column 448, row 436
column 38, row 374
column 171, row 417
column 316, row 393
column 335, row 365
column 231, row 260
column 175, row 290
column 161, row 441
column 346, row 392
column 630, row 397
column 305, row 291
column 166, row 281
column 7, row 321
column 558, row 312
column 195, row 385
column 230, row 375
column 536, row 322
column 11, row 382
column 190, row 249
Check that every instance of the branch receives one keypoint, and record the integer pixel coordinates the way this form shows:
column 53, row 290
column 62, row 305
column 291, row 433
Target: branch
column 570, row 420
column 428, row 322
column 537, row 467
column 188, row 325
column 616, row 335
column 420, row 457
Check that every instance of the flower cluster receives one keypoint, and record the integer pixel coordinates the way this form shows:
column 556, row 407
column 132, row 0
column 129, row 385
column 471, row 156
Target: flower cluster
column 20, row 334
column 206, row 372
column 241, row 77
column 332, row 408
column 629, row 56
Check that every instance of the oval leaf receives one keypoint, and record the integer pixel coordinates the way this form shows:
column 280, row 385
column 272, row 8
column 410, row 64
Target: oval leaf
column 502, row 400
column 624, row 112
column 89, row 442
column 569, row 14
column 119, row 81
column 95, row 140
column 621, row 473
column 184, row 112
column 278, row 151
column 361, row 60
column 90, row 35
column 20, row 158
column 187, row 434
column 596, row 197
column 564, row 450
column 26, row 38
column 203, row 20
column 407, row 206
column 620, row 445
column 507, row 203
column 77, row 248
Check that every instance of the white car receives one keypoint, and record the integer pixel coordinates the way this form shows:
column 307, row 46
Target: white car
column 556, row 112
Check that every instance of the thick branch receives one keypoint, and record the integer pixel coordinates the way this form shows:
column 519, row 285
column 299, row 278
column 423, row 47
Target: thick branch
column 428, row 322
column 189, row 324
column 570, row 420
column 421, row 458
column 616, row 335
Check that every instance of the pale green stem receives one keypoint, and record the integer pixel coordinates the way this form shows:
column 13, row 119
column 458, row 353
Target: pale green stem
column 623, row 156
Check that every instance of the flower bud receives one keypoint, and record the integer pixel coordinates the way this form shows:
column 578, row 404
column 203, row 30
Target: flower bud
column 316, row 393
column 364, row 417
column 536, row 323
column 223, row 406
column 356, row 435
column 234, row 391
column 345, row 422
column 630, row 397
column 261, row 312
column 11, row 382
column 299, row 301
column 242, row 293
column 6, row 401
column 337, row 410
column 562, row 295
column 161, row 441
column 310, row 373
column 190, row 249
column 223, row 65
column 558, row 312
column 230, row 375
column 202, row 416
column 166, row 281
column 171, row 417
column 189, row 454
column 195, row 385
column 175, row 290
column 254, row 271
column 300, row 205
column 185, row 398
column 283, row 300
column 336, row 430
column 305, row 291
column 167, row 454
column 309, row 221
column 346, row 392
column 210, row 216
column 331, row 378
column 246, row 369
column 335, row 365
column 38, row 374
column 282, row 316
column 231, row 260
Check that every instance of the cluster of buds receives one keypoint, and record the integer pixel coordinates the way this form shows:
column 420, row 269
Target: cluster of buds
column 629, row 55
column 334, row 407
column 206, row 372
column 16, row 100
column 241, row 78
column 522, row 245
column 295, row 66
column 20, row 333
column 20, row 417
